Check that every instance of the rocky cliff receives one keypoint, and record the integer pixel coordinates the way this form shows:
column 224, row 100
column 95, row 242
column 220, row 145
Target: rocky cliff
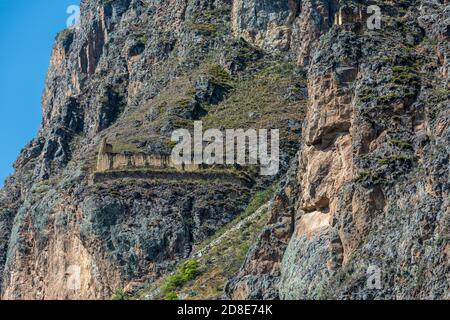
column 370, row 191
column 364, row 180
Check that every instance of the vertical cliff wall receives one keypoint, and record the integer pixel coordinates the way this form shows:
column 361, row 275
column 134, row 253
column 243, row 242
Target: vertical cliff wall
column 371, row 184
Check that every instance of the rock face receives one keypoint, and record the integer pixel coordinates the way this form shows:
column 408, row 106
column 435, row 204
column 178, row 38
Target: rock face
column 362, row 210
column 373, row 171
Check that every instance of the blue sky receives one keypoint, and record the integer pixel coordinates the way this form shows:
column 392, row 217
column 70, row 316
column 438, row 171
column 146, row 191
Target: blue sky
column 27, row 32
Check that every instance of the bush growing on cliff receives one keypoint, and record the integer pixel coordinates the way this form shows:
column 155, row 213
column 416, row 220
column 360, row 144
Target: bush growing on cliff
column 171, row 296
column 441, row 92
column 204, row 28
column 119, row 295
column 186, row 272
column 220, row 74
column 64, row 35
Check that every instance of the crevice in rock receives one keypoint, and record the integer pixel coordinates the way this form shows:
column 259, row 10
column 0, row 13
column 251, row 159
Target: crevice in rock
column 322, row 205
column 92, row 50
column 294, row 7
column 188, row 222
column 336, row 252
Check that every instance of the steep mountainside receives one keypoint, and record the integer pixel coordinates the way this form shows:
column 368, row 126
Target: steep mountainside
column 365, row 143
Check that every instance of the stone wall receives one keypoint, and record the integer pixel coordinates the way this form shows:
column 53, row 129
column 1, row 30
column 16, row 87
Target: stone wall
column 108, row 160
column 117, row 161
column 166, row 176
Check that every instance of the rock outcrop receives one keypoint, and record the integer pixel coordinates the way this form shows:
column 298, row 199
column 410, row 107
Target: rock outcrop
column 373, row 168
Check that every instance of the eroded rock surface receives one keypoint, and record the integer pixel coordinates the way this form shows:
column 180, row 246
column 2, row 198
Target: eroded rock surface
column 373, row 172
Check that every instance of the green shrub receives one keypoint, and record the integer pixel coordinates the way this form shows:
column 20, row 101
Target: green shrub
column 119, row 295
column 40, row 188
column 142, row 39
column 219, row 73
column 400, row 143
column 186, row 272
column 441, row 92
column 171, row 296
column 63, row 35
column 362, row 176
column 185, row 102
column 393, row 159
column 404, row 75
column 103, row 99
column 205, row 28
column 189, row 270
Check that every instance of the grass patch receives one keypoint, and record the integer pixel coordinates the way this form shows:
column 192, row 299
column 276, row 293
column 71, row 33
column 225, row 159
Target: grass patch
column 204, row 28
column 393, row 159
column 400, row 143
column 119, row 295
column 261, row 101
column 441, row 92
column 220, row 74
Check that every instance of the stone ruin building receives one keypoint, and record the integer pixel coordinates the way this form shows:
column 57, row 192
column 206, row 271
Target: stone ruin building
column 108, row 160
